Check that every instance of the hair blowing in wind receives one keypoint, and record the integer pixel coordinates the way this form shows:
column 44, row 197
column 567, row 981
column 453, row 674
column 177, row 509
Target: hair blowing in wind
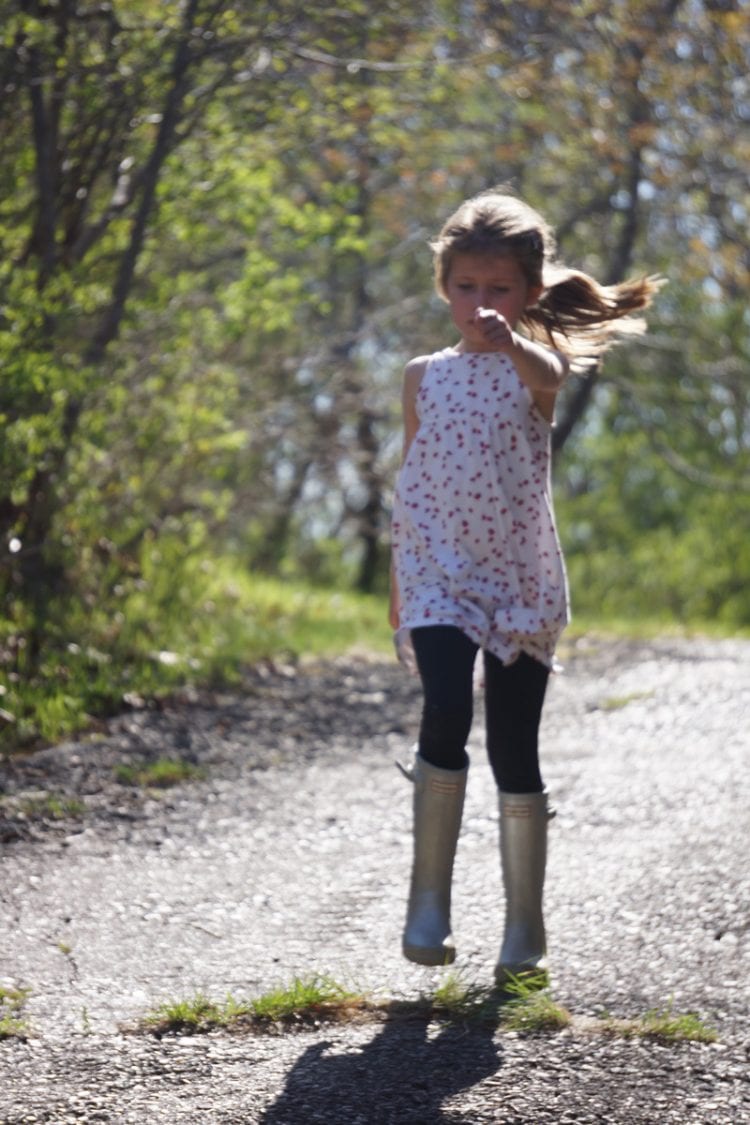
column 575, row 314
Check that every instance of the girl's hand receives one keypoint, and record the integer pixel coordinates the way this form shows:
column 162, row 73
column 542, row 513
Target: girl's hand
column 494, row 327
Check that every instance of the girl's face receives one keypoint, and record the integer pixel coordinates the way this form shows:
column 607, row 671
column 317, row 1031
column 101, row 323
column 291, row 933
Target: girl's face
column 486, row 281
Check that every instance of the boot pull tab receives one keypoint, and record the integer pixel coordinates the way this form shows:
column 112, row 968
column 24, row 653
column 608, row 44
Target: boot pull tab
column 409, row 769
column 406, row 770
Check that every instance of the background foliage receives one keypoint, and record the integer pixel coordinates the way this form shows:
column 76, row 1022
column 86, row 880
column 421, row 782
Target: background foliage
column 213, row 221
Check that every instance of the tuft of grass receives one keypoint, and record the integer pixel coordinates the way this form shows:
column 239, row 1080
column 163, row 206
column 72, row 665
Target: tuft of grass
column 310, row 999
column 313, row 996
column 50, row 806
column 12, row 1001
column 160, row 774
column 199, row 1013
column 522, row 1004
column 662, row 1024
column 458, row 1001
column 530, row 1008
column 618, row 702
column 671, row 1027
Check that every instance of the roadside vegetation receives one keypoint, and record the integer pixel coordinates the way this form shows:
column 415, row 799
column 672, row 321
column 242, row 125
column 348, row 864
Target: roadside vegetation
column 214, row 223
column 161, row 774
column 211, row 622
column 521, row 1006
column 12, row 1023
column 306, row 1000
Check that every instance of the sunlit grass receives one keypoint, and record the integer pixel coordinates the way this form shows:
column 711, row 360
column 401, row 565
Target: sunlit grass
column 618, row 702
column 201, row 628
column 521, row 1006
column 12, row 1000
column 662, row 1024
column 531, row 1008
column 198, row 1013
column 161, row 774
column 50, row 806
column 458, row 1000
column 670, row 1026
column 304, row 1000
column 646, row 627
column 201, row 622
column 317, row 995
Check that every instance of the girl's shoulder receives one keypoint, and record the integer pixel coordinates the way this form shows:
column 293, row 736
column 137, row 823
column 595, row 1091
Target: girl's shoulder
column 416, row 367
column 413, row 376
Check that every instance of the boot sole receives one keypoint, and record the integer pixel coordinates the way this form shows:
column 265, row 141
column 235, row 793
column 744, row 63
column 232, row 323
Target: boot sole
column 423, row 955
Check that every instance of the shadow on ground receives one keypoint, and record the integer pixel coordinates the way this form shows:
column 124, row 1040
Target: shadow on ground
column 404, row 1074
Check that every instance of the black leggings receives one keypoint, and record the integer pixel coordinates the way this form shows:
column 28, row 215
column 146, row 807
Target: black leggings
column 513, row 695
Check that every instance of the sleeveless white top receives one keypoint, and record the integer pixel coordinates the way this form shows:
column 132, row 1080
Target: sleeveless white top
column 473, row 532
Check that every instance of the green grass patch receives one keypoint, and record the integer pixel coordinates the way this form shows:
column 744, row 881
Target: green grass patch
column 599, row 628
column 196, row 1014
column 671, row 1027
column 12, row 1000
column 43, row 806
column 523, row 1005
column 314, row 996
column 305, row 1000
column 664, row 1025
column 529, row 1006
column 195, row 620
column 196, row 623
column 458, row 1001
column 618, row 702
column 161, row 774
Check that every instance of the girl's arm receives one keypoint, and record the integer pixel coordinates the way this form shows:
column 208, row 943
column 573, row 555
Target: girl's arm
column 541, row 369
column 413, row 374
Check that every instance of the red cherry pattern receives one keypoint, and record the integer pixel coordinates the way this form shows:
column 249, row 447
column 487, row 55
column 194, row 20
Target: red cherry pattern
column 474, row 537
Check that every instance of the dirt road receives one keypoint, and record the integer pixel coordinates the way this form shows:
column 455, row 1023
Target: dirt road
column 290, row 855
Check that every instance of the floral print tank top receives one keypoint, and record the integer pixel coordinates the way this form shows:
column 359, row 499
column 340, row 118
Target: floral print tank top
column 474, row 537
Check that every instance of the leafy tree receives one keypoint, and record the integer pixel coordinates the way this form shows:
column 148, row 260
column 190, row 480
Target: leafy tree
column 214, row 221
column 100, row 100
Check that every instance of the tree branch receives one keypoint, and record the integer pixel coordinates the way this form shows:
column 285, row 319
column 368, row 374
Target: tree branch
column 110, row 323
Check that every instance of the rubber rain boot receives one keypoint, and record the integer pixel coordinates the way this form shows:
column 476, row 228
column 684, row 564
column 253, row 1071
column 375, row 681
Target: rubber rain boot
column 523, row 853
column 438, row 806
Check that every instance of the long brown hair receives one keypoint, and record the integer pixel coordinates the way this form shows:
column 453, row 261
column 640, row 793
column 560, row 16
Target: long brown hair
column 574, row 314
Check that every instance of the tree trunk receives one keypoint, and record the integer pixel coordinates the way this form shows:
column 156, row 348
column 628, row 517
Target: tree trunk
column 39, row 574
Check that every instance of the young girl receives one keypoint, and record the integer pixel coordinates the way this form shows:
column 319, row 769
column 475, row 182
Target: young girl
column 476, row 558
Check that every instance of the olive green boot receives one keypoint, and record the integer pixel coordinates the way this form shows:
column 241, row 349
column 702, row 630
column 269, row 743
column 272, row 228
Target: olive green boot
column 438, row 806
column 523, row 853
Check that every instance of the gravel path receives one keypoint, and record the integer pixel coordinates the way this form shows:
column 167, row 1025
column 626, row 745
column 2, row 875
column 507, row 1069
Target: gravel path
column 291, row 855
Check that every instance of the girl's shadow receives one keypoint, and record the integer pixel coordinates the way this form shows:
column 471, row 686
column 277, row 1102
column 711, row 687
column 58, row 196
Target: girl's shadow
column 402, row 1076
